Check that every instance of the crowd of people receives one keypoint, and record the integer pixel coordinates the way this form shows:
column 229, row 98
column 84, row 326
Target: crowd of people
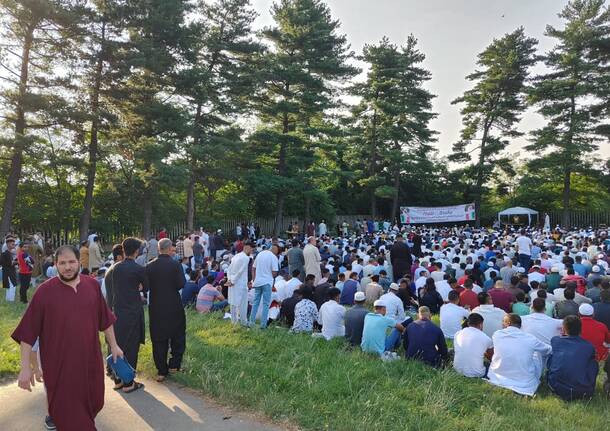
column 513, row 305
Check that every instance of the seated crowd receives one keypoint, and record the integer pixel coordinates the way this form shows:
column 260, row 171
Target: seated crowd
column 512, row 305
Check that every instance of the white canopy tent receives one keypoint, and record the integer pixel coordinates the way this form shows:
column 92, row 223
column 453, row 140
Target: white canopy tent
column 515, row 214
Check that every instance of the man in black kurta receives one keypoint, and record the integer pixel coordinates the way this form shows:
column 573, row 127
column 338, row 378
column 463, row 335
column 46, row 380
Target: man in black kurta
column 124, row 281
column 400, row 256
column 166, row 314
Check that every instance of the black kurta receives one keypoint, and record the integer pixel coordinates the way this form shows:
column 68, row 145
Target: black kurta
column 400, row 256
column 123, row 282
column 166, row 314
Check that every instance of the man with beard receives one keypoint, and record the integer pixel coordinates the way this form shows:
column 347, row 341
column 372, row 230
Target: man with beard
column 166, row 314
column 400, row 256
column 66, row 315
column 124, row 281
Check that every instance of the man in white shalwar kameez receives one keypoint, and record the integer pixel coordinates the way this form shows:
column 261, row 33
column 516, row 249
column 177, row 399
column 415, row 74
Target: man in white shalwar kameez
column 312, row 259
column 237, row 275
column 515, row 364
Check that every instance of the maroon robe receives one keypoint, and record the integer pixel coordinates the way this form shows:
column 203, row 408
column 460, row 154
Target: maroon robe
column 67, row 324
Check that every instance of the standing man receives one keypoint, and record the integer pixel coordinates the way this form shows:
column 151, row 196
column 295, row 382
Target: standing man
column 25, row 271
column 124, row 281
column 264, row 271
column 322, row 229
column 400, row 257
column 237, row 275
column 312, row 259
column 166, row 314
column 7, row 261
column 524, row 248
column 66, row 314
column 95, row 254
column 296, row 260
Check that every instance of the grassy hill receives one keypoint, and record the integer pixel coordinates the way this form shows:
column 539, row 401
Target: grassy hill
column 321, row 385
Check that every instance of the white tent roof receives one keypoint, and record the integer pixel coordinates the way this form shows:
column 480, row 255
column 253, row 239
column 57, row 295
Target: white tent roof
column 517, row 211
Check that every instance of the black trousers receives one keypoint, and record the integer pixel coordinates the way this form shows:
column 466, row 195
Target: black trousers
column 130, row 349
column 8, row 274
column 24, row 284
column 176, row 345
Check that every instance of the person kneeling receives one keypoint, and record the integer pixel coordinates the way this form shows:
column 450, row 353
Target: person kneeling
column 572, row 368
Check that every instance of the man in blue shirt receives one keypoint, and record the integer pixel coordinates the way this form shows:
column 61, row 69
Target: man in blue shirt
column 350, row 287
column 572, row 368
column 375, row 327
column 425, row 341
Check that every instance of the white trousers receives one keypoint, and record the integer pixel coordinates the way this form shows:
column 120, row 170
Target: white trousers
column 239, row 313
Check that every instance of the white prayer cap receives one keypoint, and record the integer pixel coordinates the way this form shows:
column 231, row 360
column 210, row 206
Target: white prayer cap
column 394, row 286
column 555, row 269
column 379, row 303
column 595, row 268
column 585, row 310
column 360, row 296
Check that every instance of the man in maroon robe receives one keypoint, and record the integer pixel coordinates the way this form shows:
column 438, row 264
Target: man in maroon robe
column 66, row 314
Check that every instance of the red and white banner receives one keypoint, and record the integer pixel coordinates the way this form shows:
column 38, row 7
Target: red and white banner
column 412, row 215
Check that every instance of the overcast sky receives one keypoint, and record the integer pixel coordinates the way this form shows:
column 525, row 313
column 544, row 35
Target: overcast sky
column 450, row 33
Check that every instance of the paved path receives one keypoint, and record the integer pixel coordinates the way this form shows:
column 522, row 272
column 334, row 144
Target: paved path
column 155, row 407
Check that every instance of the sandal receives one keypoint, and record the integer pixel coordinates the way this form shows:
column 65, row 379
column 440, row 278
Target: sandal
column 118, row 386
column 135, row 387
column 160, row 378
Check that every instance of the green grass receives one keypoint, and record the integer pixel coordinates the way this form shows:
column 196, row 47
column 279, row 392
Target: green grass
column 320, row 385
column 10, row 313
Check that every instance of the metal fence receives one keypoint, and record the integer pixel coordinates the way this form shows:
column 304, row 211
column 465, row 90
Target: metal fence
column 59, row 237
column 581, row 218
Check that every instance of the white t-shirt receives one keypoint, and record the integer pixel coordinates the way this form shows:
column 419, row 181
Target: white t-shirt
column 451, row 318
column 492, row 318
column 525, row 245
column 290, row 286
column 265, row 263
column 470, row 345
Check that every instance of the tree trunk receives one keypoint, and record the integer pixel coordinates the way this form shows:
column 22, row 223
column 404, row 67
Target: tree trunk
column 190, row 204
column 281, row 170
column 190, row 193
column 372, row 163
column 567, row 172
column 396, row 195
column 279, row 210
column 85, row 219
column 147, row 216
column 480, row 177
column 565, row 217
column 10, row 194
column 307, row 208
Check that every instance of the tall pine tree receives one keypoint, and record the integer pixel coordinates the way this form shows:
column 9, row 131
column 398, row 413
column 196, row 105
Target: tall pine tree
column 492, row 108
column 35, row 34
column 299, row 75
column 563, row 96
column 391, row 120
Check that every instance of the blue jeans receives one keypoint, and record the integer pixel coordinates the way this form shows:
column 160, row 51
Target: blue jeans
column 263, row 291
column 393, row 340
column 525, row 261
column 219, row 305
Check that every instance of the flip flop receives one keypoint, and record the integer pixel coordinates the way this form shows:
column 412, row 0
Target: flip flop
column 136, row 386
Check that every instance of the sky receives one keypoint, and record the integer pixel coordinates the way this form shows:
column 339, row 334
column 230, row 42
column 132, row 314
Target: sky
column 450, row 33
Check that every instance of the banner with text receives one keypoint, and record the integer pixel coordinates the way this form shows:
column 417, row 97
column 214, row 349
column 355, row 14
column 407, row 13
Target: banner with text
column 412, row 215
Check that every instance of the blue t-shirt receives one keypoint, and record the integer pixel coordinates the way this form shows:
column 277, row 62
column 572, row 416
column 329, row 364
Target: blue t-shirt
column 572, row 368
column 374, row 333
